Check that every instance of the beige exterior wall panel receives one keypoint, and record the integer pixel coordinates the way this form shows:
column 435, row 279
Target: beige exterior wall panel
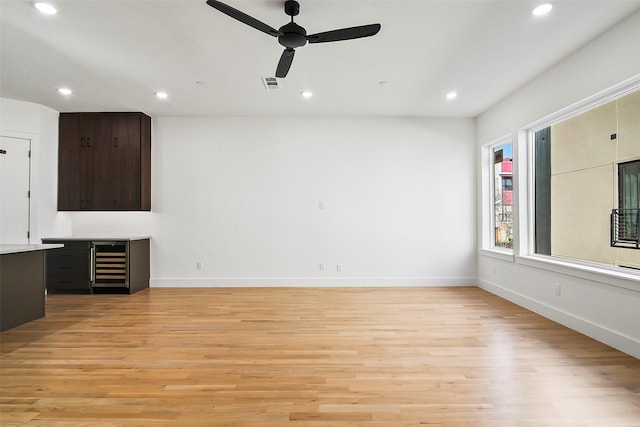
column 584, row 141
column 629, row 257
column 581, row 203
column 629, row 127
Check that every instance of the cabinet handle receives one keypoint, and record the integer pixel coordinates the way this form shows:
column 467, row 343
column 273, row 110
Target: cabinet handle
column 81, row 142
column 92, row 272
column 89, row 142
column 115, row 141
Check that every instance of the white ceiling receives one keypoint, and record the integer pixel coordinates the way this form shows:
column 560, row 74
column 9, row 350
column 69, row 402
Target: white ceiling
column 115, row 54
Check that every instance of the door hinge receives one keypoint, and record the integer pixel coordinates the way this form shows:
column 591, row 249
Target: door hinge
column 28, row 194
column 29, row 155
column 28, row 234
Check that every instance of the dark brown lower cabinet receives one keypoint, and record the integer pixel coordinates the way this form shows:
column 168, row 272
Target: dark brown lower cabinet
column 97, row 266
column 68, row 269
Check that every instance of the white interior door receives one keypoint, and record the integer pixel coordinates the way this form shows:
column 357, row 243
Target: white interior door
column 15, row 165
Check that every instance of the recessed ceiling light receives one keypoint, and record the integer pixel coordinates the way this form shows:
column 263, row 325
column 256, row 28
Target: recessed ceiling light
column 542, row 9
column 65, row 91
column 162, row 95
column 306, row 94
column 46, row 8
column 452, row 95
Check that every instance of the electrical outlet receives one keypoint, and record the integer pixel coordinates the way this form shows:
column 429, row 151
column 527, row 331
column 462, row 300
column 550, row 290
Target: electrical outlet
column 339, row 268
column 494, row 270
column 558, row 289
column 321, row 267
column 199, row 265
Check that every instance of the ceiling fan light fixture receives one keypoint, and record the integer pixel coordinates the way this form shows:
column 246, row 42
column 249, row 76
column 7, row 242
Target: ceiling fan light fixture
column 306, row 94
column 452, row 95
column 65, row 91
column 46, row 8
column 542, row 9
column 161, row 95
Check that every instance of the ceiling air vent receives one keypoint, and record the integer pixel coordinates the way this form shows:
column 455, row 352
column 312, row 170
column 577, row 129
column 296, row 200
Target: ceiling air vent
column 270, row 83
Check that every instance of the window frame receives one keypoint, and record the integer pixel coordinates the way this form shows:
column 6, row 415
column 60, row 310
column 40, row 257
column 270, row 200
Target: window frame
column 526, row 254
column 488, row 192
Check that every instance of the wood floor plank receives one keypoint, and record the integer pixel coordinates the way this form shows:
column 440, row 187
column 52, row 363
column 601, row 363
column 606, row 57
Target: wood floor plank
column 308, row 357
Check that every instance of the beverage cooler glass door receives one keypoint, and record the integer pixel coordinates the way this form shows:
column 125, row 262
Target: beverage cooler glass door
column 110, row 265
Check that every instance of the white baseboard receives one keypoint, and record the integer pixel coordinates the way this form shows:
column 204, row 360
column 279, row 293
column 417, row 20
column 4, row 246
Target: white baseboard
column 264, row 282
column 610, row 337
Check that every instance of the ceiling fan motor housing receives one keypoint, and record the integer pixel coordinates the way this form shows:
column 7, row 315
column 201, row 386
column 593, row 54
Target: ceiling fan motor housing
column 291, row 7
column 293, row 35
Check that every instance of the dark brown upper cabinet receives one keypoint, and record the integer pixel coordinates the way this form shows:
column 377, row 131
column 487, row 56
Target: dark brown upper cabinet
column 104, row 162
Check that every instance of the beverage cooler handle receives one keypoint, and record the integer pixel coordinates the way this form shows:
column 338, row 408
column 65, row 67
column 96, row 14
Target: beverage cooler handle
column 92, row 263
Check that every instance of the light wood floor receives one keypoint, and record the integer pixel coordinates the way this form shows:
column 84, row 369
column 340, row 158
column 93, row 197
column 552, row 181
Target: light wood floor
column 313, row 357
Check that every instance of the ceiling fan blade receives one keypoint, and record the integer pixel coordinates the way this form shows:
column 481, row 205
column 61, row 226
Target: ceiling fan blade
column 344, row 34
column 244, row 18
column 285, row 63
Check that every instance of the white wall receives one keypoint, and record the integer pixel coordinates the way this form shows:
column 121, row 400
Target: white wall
column 242, row 196
column 602, row 306
column 40, row 125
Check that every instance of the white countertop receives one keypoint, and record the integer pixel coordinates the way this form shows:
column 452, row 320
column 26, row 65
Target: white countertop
column 99, row 238
column 13, row 249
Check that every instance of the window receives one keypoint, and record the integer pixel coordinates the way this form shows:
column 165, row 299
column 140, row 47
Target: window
column 507, row 183
column 583, row 167
column 626, row 219
column 629, row 185
column 502, row 195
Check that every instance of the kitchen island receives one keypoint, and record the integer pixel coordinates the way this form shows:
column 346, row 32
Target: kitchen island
column 22, row 290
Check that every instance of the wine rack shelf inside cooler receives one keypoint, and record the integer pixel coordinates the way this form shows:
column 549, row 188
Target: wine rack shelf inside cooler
column 111, row 265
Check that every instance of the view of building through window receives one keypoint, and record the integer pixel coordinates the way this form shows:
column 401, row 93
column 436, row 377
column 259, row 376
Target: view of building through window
column 587, row 181
column 502, row 158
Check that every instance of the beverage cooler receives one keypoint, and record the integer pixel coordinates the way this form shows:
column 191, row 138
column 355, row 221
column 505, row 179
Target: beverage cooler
column 110, row 265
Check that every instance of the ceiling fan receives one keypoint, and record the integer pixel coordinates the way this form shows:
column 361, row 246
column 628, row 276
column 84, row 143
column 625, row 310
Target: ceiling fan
column 292, row 35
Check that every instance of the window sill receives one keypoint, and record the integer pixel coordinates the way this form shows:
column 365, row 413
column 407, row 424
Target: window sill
column 613, row 276
column 501, row 254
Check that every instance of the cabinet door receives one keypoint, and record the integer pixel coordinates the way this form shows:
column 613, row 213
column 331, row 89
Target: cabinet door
column 67, row 269
column 125, row 131
column 125, row 161
column 74, row 163
column 102, row 160
column 67, row 276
